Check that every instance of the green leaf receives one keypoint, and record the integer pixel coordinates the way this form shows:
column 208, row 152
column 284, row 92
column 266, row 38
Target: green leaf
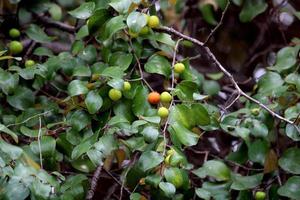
column 290, row 160
column 14, row 152
column 161, row 37
column 167, row 188
column 291, row 188
column 4, row 129
column 215, row 169
column 293, row 78
column 136, row 21
column 207, row 13
column 259, row 129
column 82, row 32
column 32, row 133
column 16, row 191
column 286, row 58
column 218, row 191
column 47, row 146
column 150, row 133
column 98, row 18
column 113, row 72
column 292, row 132
column 122, row 6
column 178, row 177
column 211, row 87
column 77, row 87
column 159, row 65
column 22, row 99
column 149, row 160
column 200, row 115
column 84, row 11
column 121, row 59
column 245, row 182
column 43, row 51
column 35, row 33
column 183, row 135
column 93, row 102
column 114, row 25
column 251, row 9
column 258, row 150
column 84, row 146
column 8, row 81
column 78, row 119
column 185, row 90
column 140, row 103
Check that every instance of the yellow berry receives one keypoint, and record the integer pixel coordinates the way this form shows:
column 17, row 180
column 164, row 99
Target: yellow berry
column 115, row 94
column 153, row 21
column 165, row 97
column 29, row 63
column 163, row 112
column 126, row 86
column 179, row 68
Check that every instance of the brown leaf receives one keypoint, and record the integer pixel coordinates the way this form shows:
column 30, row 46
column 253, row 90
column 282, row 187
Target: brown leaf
column 271, row 162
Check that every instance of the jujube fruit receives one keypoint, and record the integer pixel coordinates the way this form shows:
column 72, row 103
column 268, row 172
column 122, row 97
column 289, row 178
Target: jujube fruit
column 179, row 68
column 260, row 195
column 29, row 63
column 154, row 98
column 15, row 47
column 126, row 86
column 14, row 33
column 115, row 94
column 153, row 21
column 163, row 112
column 165, row 97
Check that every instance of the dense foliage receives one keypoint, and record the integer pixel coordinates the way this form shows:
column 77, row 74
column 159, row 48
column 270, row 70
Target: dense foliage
column 98, row 84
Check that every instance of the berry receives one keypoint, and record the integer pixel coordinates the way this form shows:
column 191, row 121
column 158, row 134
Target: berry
column 153, row 21
column 114, row 94
column 260, row 195
column 15, row 47
column 133, row 34
column 14, row 33
column 255, row 111
column 126, row 86
column 165, row 97
column 154, row 98
column 144, row 30
column 163, row 112
column 29, row 63
column 179, row 68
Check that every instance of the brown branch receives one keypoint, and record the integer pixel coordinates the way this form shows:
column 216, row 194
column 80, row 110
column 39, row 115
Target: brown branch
column 228, row 74
column 94, row 183
column 56, row 24
column 219, row 24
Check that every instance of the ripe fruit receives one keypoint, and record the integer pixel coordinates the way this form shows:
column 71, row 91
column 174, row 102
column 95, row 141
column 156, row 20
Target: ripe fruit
column 153, row 21
column 29, row 63
column 144, row 30
column 260, row 195
column 179, row 68
column 163, row 112
column 15, row 47
column 14, row 33
column 114, row 94
column 133, row 34
column 154, row 98
column 126, row 86
column 165, row 97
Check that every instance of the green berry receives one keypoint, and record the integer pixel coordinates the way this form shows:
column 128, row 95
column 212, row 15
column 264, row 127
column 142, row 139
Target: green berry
column 14, row 33
column 260, row 195
column 163, row 112
column 29, row 63
column 165, row 97
column 153, row 21
column 179, row 68
column 126, row 86
column 115, row 94
column 15, row 47
column 144, row 30
column 133, row 34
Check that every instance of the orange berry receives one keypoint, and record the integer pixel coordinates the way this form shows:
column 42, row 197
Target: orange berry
column 154, row 98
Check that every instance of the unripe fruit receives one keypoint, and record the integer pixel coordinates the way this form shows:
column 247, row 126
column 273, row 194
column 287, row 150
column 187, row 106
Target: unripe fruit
column 255, row 111
column 260, row 195
column 114, row 94
column 165, row 97
column 29, row 63
column 133, row 34
column 163, row 112
column 95, row 77
column 179, row 68
column 15, row 47
column 167, row 159
column 126, row 86
column 153, row 21
column 14, row 33
column 144, row 30
column 154, row 98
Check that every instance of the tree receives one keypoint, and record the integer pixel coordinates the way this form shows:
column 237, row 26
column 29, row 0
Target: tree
column 107, row 90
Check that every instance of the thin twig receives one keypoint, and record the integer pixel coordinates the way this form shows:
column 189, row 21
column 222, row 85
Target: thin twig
column 56, row 24
column 32, row 117
column 39, row 141
column 219, row 24
column 29, row 50
column 228, row 74
column 94, row 183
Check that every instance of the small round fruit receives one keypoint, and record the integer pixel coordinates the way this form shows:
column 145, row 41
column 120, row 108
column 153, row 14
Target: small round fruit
column 15, row 47
column 133, row 34
column 29, row 63
column 14, row 33
column 154, row 98
column 114, row 94
column 144, row 30
column 255, row 111
column 260, row 195
column 153, row 21
column 126, row 86
column 165, row 97
column 163, row 112
column 179, row 68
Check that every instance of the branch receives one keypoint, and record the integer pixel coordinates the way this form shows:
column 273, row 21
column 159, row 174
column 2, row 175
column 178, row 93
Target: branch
column 56, row 24
column 94, row 183
column 228, row 74
column 219, row 24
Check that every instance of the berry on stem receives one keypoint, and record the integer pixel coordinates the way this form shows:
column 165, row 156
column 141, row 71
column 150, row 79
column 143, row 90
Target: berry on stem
column 14, row 33
column 154, row 98
column 179, row 68
column 15, row 47
column 260, row 195
column 163, row 112
column 115, row 94
column 165, row 97
column 153, row 21
column 126, row 86
column 29, row 63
